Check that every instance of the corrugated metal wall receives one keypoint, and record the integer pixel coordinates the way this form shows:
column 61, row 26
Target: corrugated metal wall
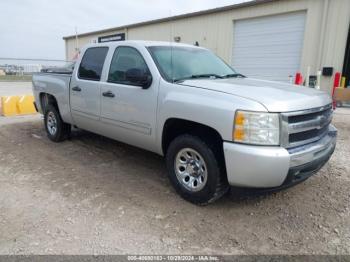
column 324, row 42
column 269, row 47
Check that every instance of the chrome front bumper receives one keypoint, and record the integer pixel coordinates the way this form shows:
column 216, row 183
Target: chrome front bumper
column 268, row 167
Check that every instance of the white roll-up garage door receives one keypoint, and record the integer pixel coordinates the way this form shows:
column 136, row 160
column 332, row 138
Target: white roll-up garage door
column 269, row 47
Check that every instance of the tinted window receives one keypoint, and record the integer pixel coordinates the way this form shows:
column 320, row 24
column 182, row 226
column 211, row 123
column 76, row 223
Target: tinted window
column 124, row 59
column 92, row 63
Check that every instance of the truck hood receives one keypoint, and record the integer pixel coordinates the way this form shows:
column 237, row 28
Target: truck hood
column 274, row 96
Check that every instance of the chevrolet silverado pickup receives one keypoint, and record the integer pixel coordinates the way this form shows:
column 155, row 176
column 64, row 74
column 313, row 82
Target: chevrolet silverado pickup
column 215, row 127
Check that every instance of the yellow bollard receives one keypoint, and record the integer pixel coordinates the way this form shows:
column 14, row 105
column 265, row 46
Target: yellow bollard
column 25, row 105
column 9, row 105
column 342, row 83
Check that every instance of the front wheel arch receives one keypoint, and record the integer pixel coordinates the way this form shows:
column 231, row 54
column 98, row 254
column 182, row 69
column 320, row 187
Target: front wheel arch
column 174, row 127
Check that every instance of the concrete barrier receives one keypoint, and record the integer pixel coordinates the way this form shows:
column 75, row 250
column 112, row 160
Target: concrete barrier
column 9, row 105
column 17, row 105
column 25, row 105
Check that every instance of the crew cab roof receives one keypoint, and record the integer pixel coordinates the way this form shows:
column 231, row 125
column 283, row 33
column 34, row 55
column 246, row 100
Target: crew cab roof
column 142, row 43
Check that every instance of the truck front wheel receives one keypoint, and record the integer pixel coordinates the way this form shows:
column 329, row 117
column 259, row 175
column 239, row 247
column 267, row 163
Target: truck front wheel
column 194, row 171
column 56, row 129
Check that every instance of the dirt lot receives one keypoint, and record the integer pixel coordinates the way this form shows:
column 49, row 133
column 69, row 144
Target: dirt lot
column 91, row 195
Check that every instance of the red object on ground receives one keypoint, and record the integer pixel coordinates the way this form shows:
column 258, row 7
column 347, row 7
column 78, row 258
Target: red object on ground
column 335, row 85
column 298, row 78
column 336, row 80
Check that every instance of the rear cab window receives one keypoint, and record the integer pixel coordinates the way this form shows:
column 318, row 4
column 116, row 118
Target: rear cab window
column 92, row 63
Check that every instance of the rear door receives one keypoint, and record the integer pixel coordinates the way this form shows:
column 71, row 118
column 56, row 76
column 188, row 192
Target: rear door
column 85, row 88
column 128, row 112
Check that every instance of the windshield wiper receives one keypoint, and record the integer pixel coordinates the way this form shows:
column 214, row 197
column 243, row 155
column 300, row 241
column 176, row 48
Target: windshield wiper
column 198, row 76
column 234, row 75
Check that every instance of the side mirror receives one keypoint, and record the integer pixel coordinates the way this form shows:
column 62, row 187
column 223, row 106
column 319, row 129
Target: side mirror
column 138, row 77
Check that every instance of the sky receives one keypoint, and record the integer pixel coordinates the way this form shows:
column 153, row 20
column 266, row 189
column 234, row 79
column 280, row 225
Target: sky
column 34, row 28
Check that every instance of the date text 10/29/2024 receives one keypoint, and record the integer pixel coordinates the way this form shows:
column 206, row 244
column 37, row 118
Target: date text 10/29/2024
column 172, row 258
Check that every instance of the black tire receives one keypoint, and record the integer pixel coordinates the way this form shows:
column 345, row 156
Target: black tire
column 62, row 129
column 216, row 185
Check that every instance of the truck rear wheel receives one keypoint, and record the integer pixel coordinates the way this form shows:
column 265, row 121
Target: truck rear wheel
column 56, row 129
column 194, row 171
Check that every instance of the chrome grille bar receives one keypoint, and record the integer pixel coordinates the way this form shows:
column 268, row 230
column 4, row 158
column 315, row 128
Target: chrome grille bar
column 316, row 123
column 303, row 127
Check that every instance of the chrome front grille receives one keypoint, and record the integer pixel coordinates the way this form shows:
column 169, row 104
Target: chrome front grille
column 303, row 127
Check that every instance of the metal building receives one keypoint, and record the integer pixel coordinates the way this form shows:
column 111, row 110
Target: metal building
column 268, row 39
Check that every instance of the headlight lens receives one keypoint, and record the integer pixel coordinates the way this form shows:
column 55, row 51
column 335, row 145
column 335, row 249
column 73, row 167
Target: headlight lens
column 256, row 128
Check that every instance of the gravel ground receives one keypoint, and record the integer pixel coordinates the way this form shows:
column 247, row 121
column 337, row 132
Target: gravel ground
column 91, row 195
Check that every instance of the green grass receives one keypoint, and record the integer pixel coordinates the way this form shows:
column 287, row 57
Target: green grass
column 15, row 78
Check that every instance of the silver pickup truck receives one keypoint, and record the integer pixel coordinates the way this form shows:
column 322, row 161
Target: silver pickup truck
column 214, row 126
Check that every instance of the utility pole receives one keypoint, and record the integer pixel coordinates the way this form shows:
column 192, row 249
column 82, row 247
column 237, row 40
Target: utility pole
column 76, row 39
column 76, row 44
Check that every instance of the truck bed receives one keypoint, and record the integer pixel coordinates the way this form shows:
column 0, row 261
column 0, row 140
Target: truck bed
column 57, row 85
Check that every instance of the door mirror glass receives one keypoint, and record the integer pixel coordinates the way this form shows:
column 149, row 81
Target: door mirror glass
column 138, row 77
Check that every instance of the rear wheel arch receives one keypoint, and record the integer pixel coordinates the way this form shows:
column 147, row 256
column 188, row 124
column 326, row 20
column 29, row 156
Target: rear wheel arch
column 47, row 99
column 56, row 129
column 50, row 110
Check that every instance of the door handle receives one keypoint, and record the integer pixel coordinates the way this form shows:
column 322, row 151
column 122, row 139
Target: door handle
column 76, row 88
column 108, row 94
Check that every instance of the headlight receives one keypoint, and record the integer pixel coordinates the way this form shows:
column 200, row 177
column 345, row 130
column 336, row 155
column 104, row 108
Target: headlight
column 256, row 128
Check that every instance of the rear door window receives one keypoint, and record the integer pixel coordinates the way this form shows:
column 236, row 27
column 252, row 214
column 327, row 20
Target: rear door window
column 92, row 63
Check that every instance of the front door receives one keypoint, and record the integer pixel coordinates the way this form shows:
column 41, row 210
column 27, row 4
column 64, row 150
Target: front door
column 85, row 89
column 128, row 112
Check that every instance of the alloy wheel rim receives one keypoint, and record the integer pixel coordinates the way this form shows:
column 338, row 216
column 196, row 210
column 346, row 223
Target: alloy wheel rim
column 191, row 169
column 51, row 123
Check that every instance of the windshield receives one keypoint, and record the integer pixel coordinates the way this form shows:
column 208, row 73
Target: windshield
column 180, row 63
